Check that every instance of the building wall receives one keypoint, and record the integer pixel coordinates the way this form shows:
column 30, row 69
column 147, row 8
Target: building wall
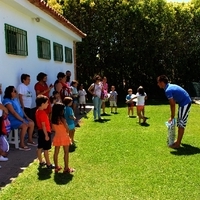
column 12, row 66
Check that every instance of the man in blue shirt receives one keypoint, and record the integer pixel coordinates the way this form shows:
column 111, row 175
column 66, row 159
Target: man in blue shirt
column 176, row 94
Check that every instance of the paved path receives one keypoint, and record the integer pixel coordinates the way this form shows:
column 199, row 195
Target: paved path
column 19, row 160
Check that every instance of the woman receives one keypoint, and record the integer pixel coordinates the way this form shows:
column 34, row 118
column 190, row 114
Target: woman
column 41, row 87
column 96, row 89
column 61, row 87
column 17, row 117
column 105, row 92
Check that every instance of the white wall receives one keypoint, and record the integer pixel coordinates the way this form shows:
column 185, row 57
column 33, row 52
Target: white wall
column 12, row 66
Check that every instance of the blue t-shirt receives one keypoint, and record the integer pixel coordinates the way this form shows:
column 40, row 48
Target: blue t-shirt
column 178, row 94
column 68, row 112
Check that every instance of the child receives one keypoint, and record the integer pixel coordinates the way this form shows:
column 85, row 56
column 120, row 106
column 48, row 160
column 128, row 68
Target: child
column 70, row 118
column 113, row 99
column 44, row 131
column 61, row 137
column 74, row 92
column 130, row 102
column 141, row 97
column 56, row 94
column 82, row 98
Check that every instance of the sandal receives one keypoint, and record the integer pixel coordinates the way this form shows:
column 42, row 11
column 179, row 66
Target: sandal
column 68, row 170
column 57, row 169
column 32, row 143
column 25, row 148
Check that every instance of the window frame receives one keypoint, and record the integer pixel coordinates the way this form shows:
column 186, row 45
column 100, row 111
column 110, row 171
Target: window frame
column 58, row 52
column 15, row 40
column 68, row 55
column 43, row 48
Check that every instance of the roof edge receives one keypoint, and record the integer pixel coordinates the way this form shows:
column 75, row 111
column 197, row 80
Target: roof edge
column 57, row 16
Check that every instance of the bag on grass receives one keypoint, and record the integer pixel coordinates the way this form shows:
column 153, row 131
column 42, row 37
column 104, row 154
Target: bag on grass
column 6, row 126
column 171, row 132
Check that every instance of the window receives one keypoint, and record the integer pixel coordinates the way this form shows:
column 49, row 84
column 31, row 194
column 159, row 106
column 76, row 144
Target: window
column 44, row 48
column 58, row 52
column 16, row 41
column 68, row 55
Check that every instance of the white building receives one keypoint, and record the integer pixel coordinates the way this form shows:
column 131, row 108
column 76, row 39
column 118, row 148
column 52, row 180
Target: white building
column 35, row 38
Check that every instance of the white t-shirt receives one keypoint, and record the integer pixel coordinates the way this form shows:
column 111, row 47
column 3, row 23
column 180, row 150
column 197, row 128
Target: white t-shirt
column 97, row 89
column 141, row 99
column 113, row 95
column 81, row 94
column 26, row 95
column 1, row 111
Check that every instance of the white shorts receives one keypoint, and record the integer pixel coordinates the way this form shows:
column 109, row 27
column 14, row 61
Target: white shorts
column 82, row 101
column 113, row 104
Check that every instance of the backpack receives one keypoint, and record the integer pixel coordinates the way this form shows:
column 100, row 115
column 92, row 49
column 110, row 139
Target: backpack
column 6, row 126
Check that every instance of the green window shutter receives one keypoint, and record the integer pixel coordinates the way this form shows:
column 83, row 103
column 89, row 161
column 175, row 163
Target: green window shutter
column 16, row 41
column 44, row 48
column 68, row 55
column 58, row 52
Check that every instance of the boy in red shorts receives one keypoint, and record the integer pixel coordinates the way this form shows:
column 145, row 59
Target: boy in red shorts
column 44, row 131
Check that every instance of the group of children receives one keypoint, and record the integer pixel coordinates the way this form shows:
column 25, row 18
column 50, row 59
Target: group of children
column 78, row 96
column 138, row 99
column 62, row 123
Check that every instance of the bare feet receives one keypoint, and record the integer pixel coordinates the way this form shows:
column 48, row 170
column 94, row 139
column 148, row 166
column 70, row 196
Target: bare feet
column 175, row 145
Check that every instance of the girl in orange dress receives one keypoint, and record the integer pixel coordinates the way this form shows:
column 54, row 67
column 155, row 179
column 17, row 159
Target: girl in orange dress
column 61, row 137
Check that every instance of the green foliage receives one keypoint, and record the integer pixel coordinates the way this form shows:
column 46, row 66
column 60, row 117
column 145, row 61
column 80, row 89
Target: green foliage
column 133, row 41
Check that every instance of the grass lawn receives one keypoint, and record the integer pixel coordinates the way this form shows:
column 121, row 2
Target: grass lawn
column 120, row 160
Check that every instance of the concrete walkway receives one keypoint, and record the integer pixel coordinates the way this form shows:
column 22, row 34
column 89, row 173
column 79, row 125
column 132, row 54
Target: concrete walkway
column 19, row 160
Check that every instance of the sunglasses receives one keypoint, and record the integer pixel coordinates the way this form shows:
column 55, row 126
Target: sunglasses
column 15, row 91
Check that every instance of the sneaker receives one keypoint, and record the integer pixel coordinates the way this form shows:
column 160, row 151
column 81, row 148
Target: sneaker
column 72, row 148
column 32, row 144
column 50, row 166
column 3, row 159
column 77, row 125
column 25, row 148
column 69, row 170
column 81, row 113
column 42, row 164
column 85, row 112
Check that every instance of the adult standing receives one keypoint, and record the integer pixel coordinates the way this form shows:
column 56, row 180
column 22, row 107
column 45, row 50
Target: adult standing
column 61, row 87
column 68, row 77
column 25, row 95
column 41, row 88
column 176, row 94
column 95, row 89
column 105, row 92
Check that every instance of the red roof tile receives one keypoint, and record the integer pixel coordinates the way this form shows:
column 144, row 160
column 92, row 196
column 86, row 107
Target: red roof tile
column 57, row 16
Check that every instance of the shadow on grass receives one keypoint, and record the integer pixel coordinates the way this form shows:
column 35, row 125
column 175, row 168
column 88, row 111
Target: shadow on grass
column 145, row 124
column 105, row 114
column 186, row 149
column 132, row 116
column 102, row 120
column 44, row 173
column 62, row 178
